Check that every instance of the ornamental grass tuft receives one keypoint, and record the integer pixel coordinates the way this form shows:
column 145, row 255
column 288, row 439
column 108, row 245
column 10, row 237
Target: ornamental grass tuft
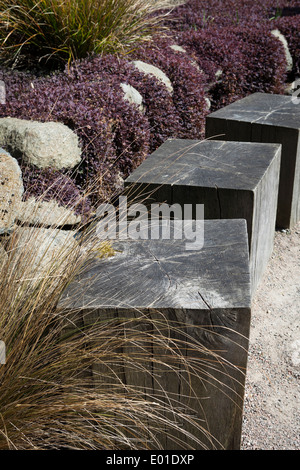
column 48, row 395
column 56, row 30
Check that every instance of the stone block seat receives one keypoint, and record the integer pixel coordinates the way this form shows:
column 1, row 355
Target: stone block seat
column 233, row 180
column 207, row 291
column 263, row 117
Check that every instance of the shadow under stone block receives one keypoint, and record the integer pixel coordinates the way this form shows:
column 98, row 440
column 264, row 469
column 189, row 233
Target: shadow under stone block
column 206, row 294
column 268, row 118
column 233, row 180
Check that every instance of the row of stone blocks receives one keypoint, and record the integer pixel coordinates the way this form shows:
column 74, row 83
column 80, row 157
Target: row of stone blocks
column 209, row 290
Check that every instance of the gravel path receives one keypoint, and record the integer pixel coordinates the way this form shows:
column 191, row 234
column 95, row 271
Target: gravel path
column 272, row 395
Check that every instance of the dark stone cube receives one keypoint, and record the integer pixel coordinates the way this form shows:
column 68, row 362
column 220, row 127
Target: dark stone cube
column 263, row 117
column 206, row 294
column 233, row 180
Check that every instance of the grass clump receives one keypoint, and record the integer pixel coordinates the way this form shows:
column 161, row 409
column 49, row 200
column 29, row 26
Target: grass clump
column 65, row 30
column 61, row 386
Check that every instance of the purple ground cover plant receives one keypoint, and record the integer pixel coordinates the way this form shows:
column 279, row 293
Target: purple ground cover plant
column 187, row 80
column 229, row 52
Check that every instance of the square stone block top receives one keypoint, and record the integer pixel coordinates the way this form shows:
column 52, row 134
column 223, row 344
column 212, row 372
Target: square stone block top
column 263, row 108
column 207, row 163
column 207, row 288
column 163, row 274
column 233, row 180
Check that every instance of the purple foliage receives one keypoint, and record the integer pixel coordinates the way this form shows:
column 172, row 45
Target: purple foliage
column 160, row 111
column 266, row 71
column 187, row 80
column 48, row 184
column 228, row 50
column 199, row 14
column 114, row 135
column 215, row 51
column 230, row 53
column 289, row 26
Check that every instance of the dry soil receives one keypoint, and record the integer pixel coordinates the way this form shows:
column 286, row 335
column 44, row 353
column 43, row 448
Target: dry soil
column 272, row 399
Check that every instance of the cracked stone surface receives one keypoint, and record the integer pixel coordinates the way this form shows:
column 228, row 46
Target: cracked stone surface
column 271, row 109
column 269, row 118
column 208, row 290
column 214, row 277
column 232, row 179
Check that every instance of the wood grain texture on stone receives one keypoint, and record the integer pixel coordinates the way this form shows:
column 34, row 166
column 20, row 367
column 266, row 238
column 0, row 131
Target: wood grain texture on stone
column 207, row 292
column 263, row 117
column 233, row 180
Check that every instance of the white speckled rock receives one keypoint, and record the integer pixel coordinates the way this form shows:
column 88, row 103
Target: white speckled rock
column 45, row 251
column 177, row 48
column 208, row 102
column 11, row 191
column 149, row 69
column 47, row 213
column 43, row 144
column 132, row 96
column 289, row 60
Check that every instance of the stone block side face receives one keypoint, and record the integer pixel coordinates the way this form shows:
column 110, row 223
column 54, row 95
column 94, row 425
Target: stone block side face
column 205, row 297
column 295, row 217
column 219, row 203
column 264, row 221
column 218, row 391
column 218, row 128
column 288, row 208
column 147, row 193
column 222, row 203
column 288, row 138
column 228, row 333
